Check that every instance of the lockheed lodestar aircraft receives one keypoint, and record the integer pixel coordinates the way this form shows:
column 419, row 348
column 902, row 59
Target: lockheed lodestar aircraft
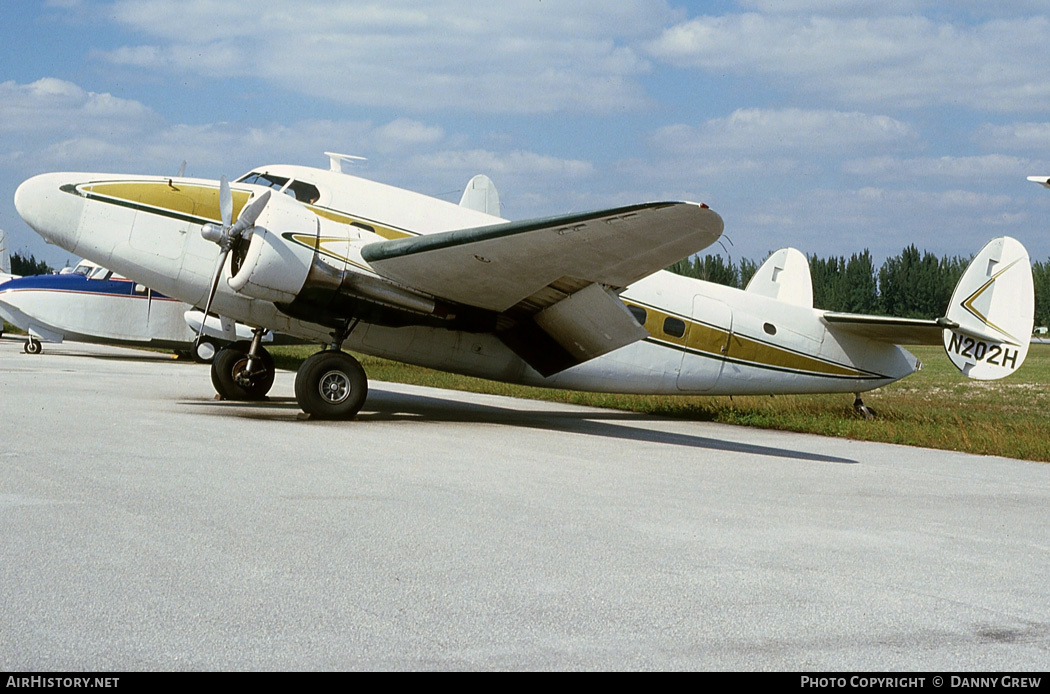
column 577, row 301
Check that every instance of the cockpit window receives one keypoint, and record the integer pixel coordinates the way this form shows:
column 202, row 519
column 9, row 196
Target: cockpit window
column 99, row 273
column 300, row 190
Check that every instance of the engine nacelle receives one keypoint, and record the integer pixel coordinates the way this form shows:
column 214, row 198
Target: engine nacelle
column 274, row 268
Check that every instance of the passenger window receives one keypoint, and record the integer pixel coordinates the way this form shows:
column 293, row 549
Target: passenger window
column 638, row 312
column 674, row 327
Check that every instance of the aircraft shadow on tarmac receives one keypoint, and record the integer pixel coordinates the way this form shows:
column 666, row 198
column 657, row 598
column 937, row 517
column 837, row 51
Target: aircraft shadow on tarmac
column 387, row 406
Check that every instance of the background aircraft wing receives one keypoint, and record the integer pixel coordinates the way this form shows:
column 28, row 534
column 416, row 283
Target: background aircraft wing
column 496, row 267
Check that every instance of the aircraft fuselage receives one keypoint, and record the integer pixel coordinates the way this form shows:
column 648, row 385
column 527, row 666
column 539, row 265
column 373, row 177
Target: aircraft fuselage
column 703, row 338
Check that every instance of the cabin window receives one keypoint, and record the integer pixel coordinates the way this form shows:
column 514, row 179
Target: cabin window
column 769, row 328
column 674, row 327
column 638, row 312
column 300, row 190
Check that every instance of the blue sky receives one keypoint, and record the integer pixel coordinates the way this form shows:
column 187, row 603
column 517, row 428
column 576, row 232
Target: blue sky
column 827, row 125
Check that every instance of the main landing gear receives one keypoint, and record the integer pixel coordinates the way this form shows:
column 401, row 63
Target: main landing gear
column 329, row 385
column 32, row 346
column 332, row 384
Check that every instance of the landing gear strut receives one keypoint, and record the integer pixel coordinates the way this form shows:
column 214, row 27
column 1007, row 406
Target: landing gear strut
column 332, row 384
column 243, row 370
column 862, row 409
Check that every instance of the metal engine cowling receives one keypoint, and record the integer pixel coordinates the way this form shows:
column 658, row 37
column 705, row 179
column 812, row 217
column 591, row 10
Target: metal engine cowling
column 274, row 268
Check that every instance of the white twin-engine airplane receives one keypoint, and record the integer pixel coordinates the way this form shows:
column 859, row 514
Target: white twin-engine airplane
column 577, row 301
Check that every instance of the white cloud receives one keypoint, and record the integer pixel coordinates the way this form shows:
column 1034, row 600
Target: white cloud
column 801, row 132
column 904, row 61
column 53, row 105
column 972, row 168
column 1029, row 137
column 519, row 58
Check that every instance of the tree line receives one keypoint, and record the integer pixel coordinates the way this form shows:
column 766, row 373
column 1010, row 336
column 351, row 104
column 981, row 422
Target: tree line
column 20, row 265
column 912, row 284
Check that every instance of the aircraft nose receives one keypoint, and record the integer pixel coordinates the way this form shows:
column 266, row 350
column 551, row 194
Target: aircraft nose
column 51, row 207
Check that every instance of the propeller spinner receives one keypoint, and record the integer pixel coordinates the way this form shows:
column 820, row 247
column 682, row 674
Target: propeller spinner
column 230, row 234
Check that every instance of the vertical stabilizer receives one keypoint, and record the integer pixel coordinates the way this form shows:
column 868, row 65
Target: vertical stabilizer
column 480, row 195
column 784, row 277
column 994, row 307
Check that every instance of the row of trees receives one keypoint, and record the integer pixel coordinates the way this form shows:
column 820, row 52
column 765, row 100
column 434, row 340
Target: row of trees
column 20, row 265
column 912, row 284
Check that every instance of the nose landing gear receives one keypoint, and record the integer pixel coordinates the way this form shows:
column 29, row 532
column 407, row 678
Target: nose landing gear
column 243, row 370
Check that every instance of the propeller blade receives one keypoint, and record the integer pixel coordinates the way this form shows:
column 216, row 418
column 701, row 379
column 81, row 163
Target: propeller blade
column 211, row 293
column 225, row 203
column 250, row 212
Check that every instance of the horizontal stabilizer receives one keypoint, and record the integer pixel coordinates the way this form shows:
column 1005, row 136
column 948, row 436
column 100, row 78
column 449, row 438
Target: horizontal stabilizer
column 896, row 331
column 784, row 277
column 988, row 326
column 495, row 267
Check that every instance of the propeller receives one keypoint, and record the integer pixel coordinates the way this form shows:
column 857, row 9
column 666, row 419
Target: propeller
column 230, row 234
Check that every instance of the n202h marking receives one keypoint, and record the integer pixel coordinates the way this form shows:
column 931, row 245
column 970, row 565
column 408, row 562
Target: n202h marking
column 979, row 350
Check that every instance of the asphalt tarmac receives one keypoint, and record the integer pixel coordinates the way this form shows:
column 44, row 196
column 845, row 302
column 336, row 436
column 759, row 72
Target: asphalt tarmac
column 145, row 525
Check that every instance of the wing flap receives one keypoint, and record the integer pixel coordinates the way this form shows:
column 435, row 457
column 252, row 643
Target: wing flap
column 496, row 267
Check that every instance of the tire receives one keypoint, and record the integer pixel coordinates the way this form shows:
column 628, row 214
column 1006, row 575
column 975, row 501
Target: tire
column 227, row 374
column 331, row 385
column 33, row 346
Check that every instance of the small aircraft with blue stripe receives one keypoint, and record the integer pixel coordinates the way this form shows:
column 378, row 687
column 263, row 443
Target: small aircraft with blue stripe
column 89, row 303
column 577, row 301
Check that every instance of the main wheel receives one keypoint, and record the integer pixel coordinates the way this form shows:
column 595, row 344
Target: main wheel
column 33, row 346
column 231, row 378
column 331, row 385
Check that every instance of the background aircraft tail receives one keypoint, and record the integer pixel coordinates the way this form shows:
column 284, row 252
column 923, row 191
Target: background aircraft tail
column 994, row 307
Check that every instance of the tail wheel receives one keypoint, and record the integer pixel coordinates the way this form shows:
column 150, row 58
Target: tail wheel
column 232, row 378
column 331, row 385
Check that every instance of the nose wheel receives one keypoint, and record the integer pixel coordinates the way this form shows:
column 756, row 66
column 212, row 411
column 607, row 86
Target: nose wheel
column 236, row 376
column 331, row 385
column 33, row 346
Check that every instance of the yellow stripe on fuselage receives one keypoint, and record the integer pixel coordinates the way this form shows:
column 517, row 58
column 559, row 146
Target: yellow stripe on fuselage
column 186, row 200
column 202, row 202
column 719, row 343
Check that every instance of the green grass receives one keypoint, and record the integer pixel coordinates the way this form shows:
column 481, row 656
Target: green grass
column 937, row 407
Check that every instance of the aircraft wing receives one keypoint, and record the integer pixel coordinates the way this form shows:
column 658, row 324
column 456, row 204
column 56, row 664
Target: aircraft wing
column 897, row 331
column 556, row 279
column 496, row 267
